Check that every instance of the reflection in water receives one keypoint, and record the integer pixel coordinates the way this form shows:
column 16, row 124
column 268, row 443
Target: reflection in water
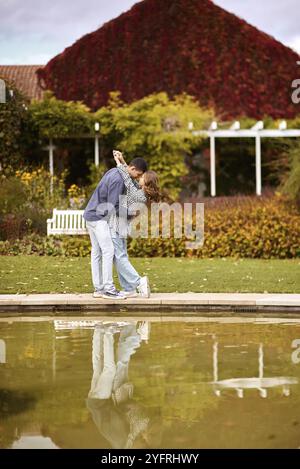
column 108, row 384
column 122, row 421
column 260, row 382
column 33, row 442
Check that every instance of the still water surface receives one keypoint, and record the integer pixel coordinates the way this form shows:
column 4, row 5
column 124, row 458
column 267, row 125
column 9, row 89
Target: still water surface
column 149, row 384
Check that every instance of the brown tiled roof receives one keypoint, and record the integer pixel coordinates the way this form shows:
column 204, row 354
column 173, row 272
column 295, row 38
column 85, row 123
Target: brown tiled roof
column 24, row 78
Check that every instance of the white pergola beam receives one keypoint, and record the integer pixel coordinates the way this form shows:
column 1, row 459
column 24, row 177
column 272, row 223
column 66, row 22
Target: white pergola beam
column 248, row 133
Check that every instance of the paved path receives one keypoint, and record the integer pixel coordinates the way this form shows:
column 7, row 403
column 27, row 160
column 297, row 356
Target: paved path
column 158, row 302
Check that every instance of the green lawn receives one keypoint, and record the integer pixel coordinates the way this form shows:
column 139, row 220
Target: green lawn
column 34, row 274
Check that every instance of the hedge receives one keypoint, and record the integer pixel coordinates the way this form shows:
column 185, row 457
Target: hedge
column 255, row 228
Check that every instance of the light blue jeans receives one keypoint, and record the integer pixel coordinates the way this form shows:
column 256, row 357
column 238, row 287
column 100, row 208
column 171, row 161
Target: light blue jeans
column 128, row 276
column 108, row 375
column 102, row 255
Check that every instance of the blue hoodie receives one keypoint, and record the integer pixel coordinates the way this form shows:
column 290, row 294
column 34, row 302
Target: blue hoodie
column 108, row 191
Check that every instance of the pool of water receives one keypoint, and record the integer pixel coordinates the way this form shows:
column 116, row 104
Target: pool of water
column 185, row 383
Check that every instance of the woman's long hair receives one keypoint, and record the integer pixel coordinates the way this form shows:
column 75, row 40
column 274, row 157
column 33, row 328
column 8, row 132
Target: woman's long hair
column 151, row 186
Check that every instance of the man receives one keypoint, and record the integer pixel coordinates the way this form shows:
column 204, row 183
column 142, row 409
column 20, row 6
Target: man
column 107, row 248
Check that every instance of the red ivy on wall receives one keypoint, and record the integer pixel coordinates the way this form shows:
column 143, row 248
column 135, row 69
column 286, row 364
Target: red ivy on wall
column 179, row 46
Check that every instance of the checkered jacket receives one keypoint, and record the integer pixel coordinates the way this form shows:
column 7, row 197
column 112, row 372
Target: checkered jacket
column 134, row 195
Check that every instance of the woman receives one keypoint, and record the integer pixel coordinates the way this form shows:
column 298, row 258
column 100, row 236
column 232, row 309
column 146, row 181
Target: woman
column 144, row 192
column 147, row 189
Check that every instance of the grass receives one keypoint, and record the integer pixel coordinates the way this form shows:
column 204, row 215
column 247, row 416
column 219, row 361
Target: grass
column 34, row 274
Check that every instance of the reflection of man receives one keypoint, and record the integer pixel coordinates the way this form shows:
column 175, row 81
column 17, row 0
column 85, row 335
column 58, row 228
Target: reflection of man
column 119, row 419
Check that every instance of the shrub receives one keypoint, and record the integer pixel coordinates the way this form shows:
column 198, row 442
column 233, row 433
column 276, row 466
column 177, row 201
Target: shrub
column 12, row 195
column 291, row 180
column 286, row 168
column 26, row 201
column 246, row 227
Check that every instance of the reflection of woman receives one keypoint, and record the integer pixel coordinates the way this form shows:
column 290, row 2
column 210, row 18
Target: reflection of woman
column 119, row 419
column 124, row 426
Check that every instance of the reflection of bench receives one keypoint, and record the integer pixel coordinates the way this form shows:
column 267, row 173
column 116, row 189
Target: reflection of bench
column 69, row 222
column 143, row 328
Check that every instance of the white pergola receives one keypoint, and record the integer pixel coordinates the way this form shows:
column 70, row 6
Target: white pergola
column 257, row 132
column 51, row 147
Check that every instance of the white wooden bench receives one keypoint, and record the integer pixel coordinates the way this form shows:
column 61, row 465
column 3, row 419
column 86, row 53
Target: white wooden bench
column 70, row 222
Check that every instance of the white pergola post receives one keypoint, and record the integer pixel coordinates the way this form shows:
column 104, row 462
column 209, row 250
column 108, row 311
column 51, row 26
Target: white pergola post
column 213, row 127
column 258, row 164
column 97, row 128
column 257, row 128
column 212, row 166
column 51, row 164
column 96, row 150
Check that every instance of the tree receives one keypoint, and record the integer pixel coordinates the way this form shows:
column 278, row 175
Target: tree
column 54, row 118
column 155, row 128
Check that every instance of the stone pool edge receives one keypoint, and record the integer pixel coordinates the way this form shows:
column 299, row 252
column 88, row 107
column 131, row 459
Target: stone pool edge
column 158, row 303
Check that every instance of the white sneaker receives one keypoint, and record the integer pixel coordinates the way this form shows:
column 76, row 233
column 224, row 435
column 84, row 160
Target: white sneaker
column 98, row 294
column 129, row 294
column 113, row 295
column 144, row 287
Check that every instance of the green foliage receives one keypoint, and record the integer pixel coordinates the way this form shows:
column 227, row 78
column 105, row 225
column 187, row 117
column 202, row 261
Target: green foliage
column 37, row 185
column 95, row 174
column 286, row 169
column 26, row 201
column 155, row 128
column 12, row 118
column 291, row 180
column 54, row 118
column 12, row 195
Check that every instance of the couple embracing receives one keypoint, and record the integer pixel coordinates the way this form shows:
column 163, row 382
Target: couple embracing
column 112, row 207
